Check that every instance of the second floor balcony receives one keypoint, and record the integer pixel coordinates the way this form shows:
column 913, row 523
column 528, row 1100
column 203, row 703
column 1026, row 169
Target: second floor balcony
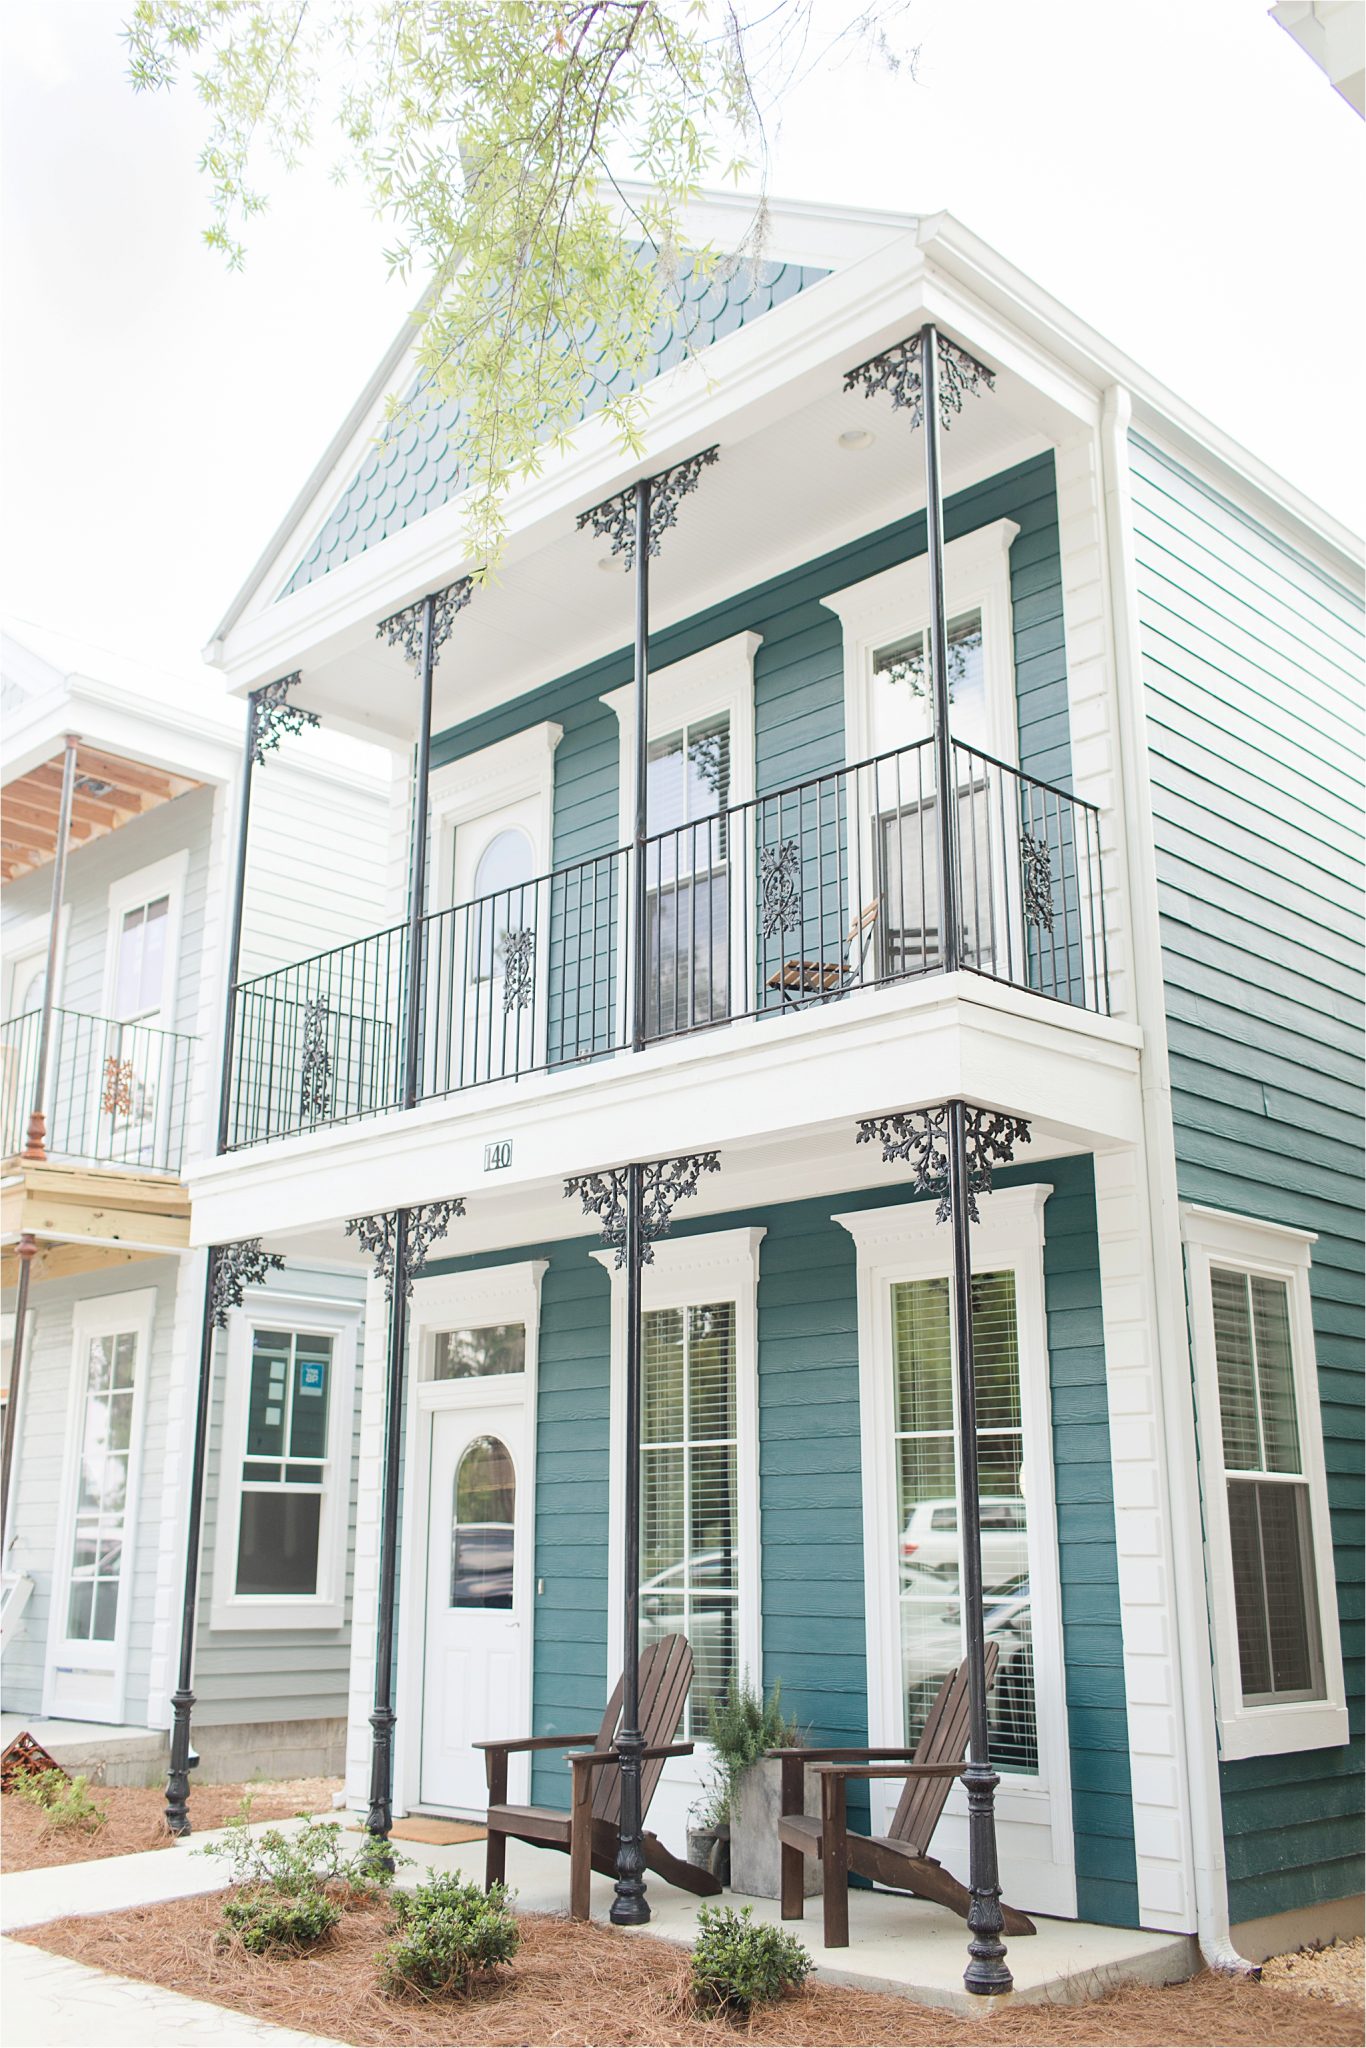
column 801, row 897
column 117, row 1094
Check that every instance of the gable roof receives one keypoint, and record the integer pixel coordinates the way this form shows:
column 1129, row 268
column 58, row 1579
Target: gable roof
column 415, row 466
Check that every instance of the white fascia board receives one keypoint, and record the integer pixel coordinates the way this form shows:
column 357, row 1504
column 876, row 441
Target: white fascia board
column 176, row 738
column 1032, row 312
column 737, row 1088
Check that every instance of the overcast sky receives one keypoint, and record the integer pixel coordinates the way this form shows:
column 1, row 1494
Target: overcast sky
column 1176, row 171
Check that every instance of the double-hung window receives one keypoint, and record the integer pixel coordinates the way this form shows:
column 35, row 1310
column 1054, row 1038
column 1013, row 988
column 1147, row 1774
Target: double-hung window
column 1278, row 1668
column 687, row 792
column 279, row 1556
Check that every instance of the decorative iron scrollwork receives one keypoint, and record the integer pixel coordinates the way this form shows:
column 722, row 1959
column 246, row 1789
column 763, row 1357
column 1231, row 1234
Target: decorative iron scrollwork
column 897, row 372
column 116, row 1098
column 404, row 629
column 1036, row 870
column 664, row 1183
column 315, row 1064
column 232, row 1269
column 519, row 969
column 780, row 887
column 922, row 1137
column 426, row 1223
column 270, row 716
column 615, row 518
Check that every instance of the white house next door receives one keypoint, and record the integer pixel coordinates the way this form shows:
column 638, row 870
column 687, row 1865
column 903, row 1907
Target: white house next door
column 477, row 1633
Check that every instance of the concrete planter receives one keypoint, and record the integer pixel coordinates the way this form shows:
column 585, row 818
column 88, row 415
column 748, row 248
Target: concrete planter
column 756, row 1803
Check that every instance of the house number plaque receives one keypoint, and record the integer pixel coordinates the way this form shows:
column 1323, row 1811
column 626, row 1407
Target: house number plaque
column 498, row 1155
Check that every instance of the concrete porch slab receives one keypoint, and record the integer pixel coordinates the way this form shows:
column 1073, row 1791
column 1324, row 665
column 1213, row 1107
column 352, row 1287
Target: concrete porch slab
column 127, row 1755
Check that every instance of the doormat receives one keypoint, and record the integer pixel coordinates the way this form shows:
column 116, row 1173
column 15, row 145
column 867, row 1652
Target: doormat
column 433, row 1831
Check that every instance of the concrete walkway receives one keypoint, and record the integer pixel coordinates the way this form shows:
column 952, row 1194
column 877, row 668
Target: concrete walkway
column 52, row 2003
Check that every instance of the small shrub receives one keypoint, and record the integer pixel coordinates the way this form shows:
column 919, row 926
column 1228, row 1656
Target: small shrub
column 65, row 1801
column 268, row 1921
column 738, row 1963
column 740, row 1729
column 449, row 1934
column 306, row 1861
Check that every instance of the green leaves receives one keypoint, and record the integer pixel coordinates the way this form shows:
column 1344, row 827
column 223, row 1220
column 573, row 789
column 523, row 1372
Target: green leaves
column 738, row 1962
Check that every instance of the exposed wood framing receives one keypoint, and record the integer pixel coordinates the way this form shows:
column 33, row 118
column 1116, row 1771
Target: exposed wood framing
column 109, row 791
column 85, row 1219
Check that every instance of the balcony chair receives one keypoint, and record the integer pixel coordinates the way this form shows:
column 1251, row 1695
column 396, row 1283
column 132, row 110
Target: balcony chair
column 588, row 1832
column 798, row 979
column 901, row 1857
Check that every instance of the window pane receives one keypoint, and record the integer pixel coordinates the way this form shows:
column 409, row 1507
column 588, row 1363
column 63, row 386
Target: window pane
column 663, row 1377
column 479, row 1354
column 662, row 1519
column 665, row 798
column 1275, row 1374
column 483, row 1525
column 308, row 1420
column 924, row 1367
column 102, row 1487
column 153, row 964
column 709, row 766
column 269, row 1393
column 1275, row 1592
column 80, row 1610
column 277, row 1543
column 711, row 1373
column 1237, row 1376
column 128, row 978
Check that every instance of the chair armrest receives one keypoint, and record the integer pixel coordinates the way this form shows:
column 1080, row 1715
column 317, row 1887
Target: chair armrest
column 523, row 1742
column 891, row 1770
column 597, row 1757
column 840, row 1756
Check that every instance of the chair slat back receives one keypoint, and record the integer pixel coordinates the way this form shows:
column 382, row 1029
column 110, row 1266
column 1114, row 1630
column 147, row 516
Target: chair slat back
column 665, row 1676
column 944, row 1740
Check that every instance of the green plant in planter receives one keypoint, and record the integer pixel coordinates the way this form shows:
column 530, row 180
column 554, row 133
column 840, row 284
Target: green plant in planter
column 738, row 1962
column 740, row 1729
column 449, row 1935
column 65, row 1801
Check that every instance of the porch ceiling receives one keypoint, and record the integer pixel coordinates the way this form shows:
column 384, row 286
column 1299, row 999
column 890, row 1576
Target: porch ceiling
column 109, row 791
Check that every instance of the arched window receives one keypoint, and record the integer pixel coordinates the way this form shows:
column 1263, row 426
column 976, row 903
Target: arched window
column 482, row 1524
column 505, row 900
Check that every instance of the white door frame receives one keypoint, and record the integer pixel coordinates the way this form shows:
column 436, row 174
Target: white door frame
column 98, row 1315
column 905, row 1242
column 494, row 1294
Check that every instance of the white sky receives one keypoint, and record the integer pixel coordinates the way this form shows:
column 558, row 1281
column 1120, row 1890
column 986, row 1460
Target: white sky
column 1177, row 171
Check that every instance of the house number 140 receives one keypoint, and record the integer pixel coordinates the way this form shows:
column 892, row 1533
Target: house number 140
column 498, row 1155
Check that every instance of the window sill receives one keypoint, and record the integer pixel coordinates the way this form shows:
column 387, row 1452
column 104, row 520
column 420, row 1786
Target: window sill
column 284, row 1612
column 1282, row 1731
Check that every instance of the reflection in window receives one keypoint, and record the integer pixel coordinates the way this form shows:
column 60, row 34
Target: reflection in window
column 102, row 1496
column 482, row 1525
column 901, row 687
column 932, row 1638
column 1275, row 1587
column 285, row 1466
column 480, row 1354
column 687, row 791
column 689, row 1566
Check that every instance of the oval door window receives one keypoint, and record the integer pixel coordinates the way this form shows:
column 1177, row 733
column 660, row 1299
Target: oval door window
column 485, row 1512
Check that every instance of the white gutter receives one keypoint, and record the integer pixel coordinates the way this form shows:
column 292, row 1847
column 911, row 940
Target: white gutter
column 1175, row 1396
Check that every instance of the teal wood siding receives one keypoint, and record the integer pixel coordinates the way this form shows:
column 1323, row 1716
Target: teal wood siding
column 810, row 1498
column 1251, row 660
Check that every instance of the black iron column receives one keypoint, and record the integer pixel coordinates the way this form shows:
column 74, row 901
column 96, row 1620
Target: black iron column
column 938, row 1140
column 636, row 520
column 633, row 1205
column 230, row 1270
column 398, row 1243
column 269, row 717
column 35, row 1139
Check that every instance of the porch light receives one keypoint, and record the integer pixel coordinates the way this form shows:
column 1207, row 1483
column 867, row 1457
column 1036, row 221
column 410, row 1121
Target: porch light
column 856, row 437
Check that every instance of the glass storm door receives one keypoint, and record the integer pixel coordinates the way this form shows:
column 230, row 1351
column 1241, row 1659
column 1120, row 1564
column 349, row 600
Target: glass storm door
column 476, row 1637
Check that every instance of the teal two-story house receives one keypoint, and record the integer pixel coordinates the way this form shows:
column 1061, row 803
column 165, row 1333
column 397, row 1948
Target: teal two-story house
column 1154, row 653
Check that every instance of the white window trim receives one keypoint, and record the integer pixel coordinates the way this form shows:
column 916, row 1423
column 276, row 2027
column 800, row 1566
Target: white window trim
column 905, row 1242
column 492, row 1294
column 519, row 769
column 720, row 678
column 896, row 603
column 106, row 1315
column 1215, row 1237
column 26, row 940
column 163, row 878
column 718, row 1265
column 268, row 1309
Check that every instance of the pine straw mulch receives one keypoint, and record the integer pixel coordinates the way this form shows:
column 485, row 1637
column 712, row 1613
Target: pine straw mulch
column 588, row 1986
column 29, row 1841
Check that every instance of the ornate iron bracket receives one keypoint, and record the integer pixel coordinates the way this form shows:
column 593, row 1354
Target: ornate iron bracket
column 426, row 1223
column 780, row 887
column 664, row 1183
column 270, row 716
column 615, row 518
column 897, row 372
column 315, row 1064
column 519, row 968
column 1036, row 870
column 232, row 1269
column 404, row 629
column 922, row 1137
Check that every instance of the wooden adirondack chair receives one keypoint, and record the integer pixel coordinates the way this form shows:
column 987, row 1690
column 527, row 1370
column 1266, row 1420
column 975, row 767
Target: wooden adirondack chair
column 588, row 1832
column 900, row 1858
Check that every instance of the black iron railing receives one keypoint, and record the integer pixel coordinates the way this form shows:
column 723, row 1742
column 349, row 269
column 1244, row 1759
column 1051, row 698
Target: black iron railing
column 795, row 898
column 118, row 1094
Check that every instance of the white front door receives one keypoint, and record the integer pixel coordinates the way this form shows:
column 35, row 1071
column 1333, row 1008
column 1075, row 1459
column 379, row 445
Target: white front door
column 478, row 1599
column 486, row 961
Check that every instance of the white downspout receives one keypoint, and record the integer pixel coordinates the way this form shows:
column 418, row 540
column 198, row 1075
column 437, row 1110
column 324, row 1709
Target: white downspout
column 1177, row 1418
